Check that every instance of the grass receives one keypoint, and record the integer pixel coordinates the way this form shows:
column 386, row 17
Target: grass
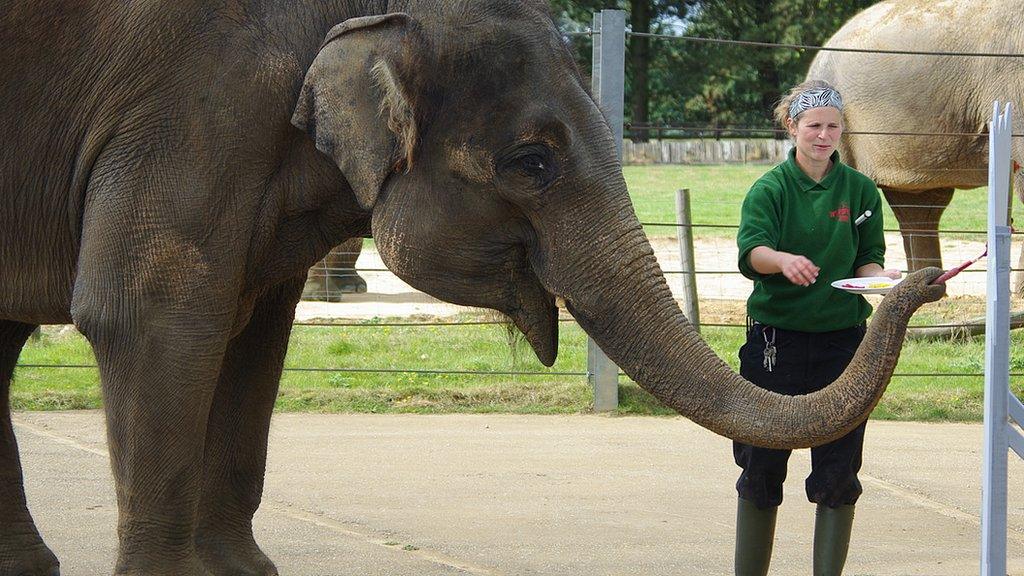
column 716, row 194
column 488, row 348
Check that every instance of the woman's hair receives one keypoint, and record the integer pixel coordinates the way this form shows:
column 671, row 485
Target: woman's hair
column 784, row 105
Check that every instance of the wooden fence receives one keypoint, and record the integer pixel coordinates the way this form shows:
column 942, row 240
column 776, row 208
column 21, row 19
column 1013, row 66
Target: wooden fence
column 705, row 151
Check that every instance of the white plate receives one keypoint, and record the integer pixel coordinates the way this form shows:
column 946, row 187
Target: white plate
column 866, row 285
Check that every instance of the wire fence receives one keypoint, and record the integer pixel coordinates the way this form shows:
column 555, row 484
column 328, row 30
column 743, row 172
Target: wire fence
column 501, row 373
column 777, row 45
column 344, row 308
column 729, row 129
column 723, row 266
column 323, row 272
column 907, row 229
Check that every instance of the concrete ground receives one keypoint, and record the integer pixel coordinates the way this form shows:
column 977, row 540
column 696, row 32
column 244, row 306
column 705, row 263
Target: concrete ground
column 544, row 495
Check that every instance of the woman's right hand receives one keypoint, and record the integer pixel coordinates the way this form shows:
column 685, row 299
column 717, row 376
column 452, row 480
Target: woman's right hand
column 798, row 269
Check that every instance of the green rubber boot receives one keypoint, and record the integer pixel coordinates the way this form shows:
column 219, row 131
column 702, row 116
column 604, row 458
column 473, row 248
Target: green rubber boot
column 755, row 534
column 832, row 527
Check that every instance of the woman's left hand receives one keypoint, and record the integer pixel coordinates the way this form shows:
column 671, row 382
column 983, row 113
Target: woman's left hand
column 891, row 273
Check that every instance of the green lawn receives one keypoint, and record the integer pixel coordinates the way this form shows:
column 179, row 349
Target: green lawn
column 488, row 348
column 716, row 194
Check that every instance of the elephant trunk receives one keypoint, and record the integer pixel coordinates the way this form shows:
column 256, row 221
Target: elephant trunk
column 630, row 313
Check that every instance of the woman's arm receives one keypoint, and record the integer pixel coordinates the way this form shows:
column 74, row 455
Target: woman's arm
column 797, row 269
column 873, row 269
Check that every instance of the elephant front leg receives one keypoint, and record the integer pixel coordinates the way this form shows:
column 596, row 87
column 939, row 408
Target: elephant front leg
column 22, row 551
column 159, row 348
column 236, row 438
column 918, row 214
column 157, row 387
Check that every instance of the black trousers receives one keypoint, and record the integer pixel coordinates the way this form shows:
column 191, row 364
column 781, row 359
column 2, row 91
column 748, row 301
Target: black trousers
column 804, row 363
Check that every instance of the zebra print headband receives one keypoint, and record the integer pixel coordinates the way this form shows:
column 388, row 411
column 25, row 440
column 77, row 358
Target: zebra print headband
column 815, row 98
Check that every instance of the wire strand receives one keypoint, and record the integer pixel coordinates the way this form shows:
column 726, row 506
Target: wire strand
column 822, row 48
column 654, row 127
column 506, row 373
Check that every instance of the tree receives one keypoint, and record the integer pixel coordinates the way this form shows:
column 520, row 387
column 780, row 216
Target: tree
column 698, row 83
column 644, row 16
column 742, row 83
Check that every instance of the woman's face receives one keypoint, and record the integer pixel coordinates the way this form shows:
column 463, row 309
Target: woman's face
column 817, row 133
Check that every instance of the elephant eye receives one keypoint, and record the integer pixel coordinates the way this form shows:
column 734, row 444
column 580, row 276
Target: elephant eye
column 532, row 163
column 535, row 163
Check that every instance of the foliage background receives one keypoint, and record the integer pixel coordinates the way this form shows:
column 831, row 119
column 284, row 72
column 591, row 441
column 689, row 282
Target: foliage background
column 703, row 84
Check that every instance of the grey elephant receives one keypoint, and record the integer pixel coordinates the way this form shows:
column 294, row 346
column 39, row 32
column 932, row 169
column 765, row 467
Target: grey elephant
column 335, row 274
column 930, row 94
column 174, row 168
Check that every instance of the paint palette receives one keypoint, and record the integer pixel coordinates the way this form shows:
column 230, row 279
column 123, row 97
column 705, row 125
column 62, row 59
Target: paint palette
column 866, row 285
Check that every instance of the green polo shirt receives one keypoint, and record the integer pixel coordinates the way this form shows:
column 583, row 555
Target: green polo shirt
column 788, row 211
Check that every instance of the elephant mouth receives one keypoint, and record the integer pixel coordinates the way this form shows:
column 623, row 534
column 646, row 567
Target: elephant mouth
column 513, row 289
column 535, row 314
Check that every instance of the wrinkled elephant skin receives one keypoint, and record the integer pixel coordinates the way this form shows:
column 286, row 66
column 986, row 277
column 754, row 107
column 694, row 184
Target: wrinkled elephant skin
column 174, row 169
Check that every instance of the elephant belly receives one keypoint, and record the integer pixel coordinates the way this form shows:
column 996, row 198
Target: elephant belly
column 943, row 165
column 924, row 163
column 36, row 280
column 33, row 303
column 899, row 178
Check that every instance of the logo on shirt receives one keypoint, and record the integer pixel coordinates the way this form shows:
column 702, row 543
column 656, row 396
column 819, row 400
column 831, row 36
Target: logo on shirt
column 842, row 213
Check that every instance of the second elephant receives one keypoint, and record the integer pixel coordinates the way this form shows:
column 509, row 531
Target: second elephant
column 950, row 97
column 335, row 275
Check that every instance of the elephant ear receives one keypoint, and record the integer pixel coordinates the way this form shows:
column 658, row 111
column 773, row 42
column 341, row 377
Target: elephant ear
column 358, row 100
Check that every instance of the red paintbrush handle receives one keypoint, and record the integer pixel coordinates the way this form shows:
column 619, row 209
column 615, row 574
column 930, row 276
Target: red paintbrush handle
column 951, row 272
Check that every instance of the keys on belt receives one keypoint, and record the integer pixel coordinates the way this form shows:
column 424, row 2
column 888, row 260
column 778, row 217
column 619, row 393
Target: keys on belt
column 769, row 348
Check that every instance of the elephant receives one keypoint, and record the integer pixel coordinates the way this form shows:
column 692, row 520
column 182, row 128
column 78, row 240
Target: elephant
column 335, row 274
column 176, row 167
column 925, row 94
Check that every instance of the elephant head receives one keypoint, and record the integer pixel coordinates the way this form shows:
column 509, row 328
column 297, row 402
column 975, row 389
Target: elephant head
column 493, row 181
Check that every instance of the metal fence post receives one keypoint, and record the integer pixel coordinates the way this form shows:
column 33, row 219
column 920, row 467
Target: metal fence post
column 999, row 436
column 687, row 262
column 609, row 75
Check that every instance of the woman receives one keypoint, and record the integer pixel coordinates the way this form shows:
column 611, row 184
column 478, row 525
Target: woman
column 806, row 223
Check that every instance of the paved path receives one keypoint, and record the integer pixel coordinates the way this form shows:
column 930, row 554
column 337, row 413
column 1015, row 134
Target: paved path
column 535, row 495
